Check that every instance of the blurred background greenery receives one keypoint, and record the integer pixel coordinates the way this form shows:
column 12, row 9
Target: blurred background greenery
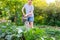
column 47, row 12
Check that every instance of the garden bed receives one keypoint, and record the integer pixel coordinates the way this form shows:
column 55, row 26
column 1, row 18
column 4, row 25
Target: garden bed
column 10, row 31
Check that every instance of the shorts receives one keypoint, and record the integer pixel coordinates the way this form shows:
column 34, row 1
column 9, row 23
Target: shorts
column 30, row 19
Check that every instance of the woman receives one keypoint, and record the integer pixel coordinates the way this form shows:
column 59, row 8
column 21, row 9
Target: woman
column 29, row 8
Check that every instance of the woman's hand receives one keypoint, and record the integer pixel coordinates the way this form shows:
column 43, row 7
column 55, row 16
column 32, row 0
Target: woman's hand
column 26, row 15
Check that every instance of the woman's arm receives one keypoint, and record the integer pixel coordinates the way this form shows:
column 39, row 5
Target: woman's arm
column 23, row 11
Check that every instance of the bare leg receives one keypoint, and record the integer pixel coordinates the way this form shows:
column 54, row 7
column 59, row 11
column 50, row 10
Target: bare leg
column 31, row 24
column 27, row 24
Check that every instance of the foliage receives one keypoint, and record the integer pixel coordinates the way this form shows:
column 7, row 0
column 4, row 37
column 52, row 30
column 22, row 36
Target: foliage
column 44, row 14
column 34, row 34
column 10, row 31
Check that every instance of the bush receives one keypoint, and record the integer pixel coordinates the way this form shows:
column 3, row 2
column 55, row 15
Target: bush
column 44, row 14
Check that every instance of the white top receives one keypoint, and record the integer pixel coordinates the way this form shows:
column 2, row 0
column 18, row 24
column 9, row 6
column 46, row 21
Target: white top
column 29, row 8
